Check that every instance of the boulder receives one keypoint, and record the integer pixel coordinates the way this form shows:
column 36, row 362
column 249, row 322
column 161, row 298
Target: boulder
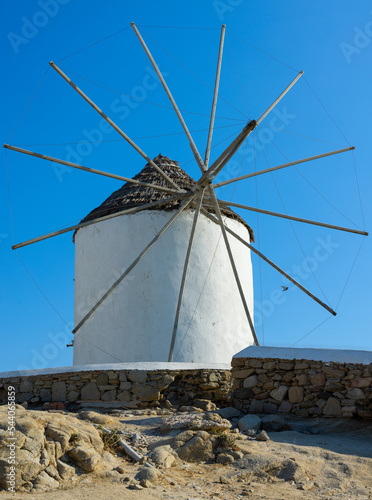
column 262, row 436
column 163, row 457
column 198, row 449
column 249, row 422
column 195, row 421
column 96, row 418
column 225, row 459
column 273, row 423
column 148, row 474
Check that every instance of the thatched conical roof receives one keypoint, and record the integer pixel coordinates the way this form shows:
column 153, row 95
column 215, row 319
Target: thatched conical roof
column 132, row 195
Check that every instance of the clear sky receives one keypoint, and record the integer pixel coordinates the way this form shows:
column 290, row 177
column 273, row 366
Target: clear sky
column 331, row 41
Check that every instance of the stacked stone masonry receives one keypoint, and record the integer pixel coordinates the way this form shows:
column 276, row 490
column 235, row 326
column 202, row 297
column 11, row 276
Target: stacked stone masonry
column 132, row 388
column 302, row 387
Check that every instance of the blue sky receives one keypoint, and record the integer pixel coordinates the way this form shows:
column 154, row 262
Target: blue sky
column 330, row 41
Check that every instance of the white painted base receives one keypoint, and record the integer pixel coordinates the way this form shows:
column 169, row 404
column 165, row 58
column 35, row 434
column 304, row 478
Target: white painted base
column 325, row 355
column 136, row 322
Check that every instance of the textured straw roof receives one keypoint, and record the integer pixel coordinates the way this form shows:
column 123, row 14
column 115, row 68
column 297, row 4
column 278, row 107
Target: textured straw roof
column 132, row 195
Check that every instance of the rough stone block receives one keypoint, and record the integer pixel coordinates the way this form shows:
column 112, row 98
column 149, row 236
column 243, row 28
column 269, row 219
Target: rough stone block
column 355, row 394
column 167, row 379
column 285, row 407
column 286, row 366
column 280, row 393
column 243, row 373
column 255, row 363
column 137, row 376
column 59, row 391
column 243, row 394
column 145, row 392
column 332, row 407
column 303, row 379
column 90, row 392
column 45, row 395
column 125, row 386
column 123, row 396
column 251, row 381
column 296, row 394
column 256, row 406
column 269, row 365
column 26, row 386
column 72, row 396
column 362, row 382
column 318, row 380
column 270, row 408
column 102, row 379
column 109, row 395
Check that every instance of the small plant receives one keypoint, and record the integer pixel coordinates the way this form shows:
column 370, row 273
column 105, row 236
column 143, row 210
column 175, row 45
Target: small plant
column 225, row 440
column 110, row 440
column 74, row 438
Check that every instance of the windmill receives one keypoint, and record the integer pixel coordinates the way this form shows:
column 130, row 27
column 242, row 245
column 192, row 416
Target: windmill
column 200, row 197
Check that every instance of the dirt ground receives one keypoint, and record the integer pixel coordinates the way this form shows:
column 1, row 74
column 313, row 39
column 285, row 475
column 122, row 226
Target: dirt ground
column 327, row 462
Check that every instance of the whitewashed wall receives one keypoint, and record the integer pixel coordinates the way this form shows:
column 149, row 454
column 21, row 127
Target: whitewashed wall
column 136, row 322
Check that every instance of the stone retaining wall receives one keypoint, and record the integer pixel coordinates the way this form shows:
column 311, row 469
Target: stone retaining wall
column 132, row 388
column 302, row 387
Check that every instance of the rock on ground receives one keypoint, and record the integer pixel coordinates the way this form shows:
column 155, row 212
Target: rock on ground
column 50, row 449
column 249, row 422
column 195, row 421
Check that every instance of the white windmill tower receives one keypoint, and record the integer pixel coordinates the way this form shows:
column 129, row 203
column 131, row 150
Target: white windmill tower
column 147, row 310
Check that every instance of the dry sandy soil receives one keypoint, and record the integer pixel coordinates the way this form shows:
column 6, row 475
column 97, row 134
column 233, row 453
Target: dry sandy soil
column 327, row 461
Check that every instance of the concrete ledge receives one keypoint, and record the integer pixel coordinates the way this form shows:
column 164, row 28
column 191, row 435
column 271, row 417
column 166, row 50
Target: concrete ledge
column 325, row 355
column 148, row 366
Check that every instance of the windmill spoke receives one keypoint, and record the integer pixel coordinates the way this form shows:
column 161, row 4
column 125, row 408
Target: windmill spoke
column 270, row 108
column 118, row 129
column 290, row 217
column 271, row 263
column 235, row 145
column 235, row 271
column 92, row 170
column 229, row 152
column 184, row 205
column 173, row 102
column 183, row 280
column 215, row 95
column 100, row 219
column 285, row 165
